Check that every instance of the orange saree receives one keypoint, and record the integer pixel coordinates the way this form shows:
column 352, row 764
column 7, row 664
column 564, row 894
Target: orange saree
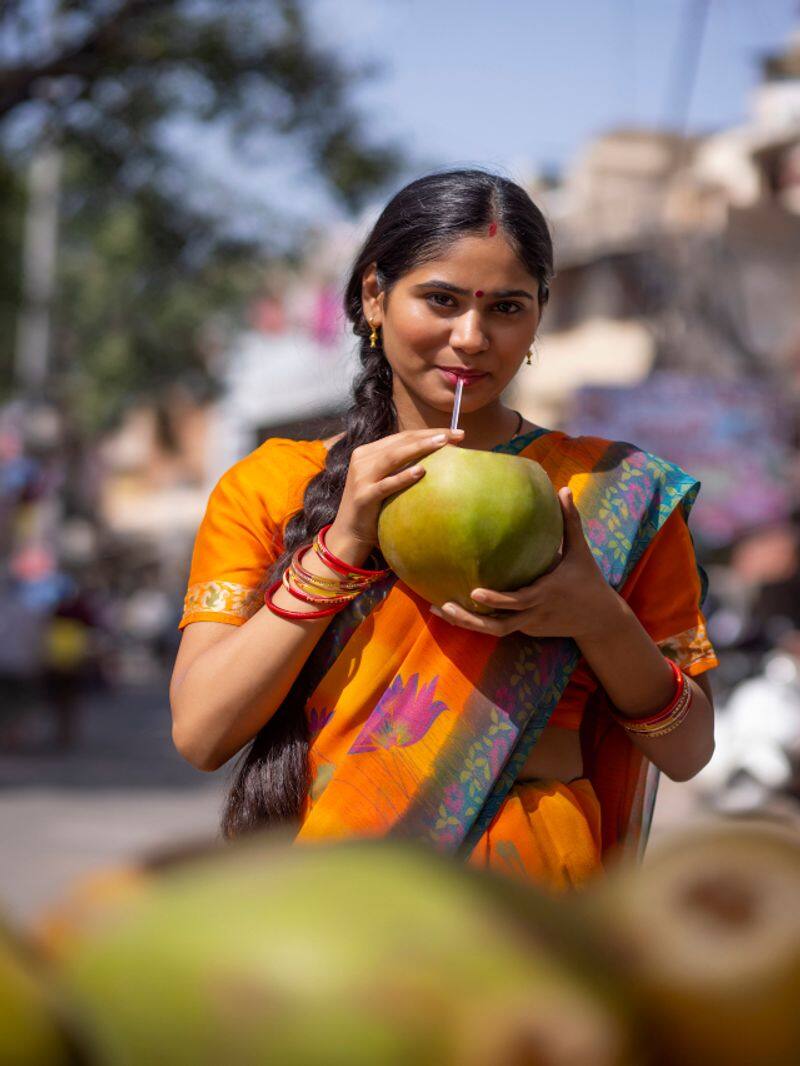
column 419, row 728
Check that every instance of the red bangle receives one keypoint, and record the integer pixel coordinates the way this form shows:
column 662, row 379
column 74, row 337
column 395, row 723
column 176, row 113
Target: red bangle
column 357, row 585
column 295, row 614
column 335, row 563
column 669, row 717
column 665, row 712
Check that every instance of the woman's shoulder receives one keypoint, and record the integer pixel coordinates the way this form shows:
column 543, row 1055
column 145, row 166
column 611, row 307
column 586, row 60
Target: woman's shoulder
column 290, row 449
column 280, row 455
column 271, row 476
column 610, row 452
column 584, row 452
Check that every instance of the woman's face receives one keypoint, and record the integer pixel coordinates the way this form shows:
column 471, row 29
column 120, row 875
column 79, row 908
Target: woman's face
column 487, row 325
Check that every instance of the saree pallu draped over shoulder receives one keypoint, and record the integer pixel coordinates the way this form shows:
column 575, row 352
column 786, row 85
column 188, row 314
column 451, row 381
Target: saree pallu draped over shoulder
column 419, row 728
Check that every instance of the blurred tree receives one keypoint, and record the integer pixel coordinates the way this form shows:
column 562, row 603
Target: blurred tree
column 151, row 249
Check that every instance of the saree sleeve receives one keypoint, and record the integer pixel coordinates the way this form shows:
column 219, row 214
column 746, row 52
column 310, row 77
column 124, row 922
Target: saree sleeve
column 666, row 592
column 241, row 533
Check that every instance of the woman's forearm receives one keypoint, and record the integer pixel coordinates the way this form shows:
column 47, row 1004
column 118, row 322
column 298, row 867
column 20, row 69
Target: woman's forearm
column 230, row 691
column 639, row 682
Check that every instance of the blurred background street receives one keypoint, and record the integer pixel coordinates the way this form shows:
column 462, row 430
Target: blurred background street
column 122, row 790
column 182, row 186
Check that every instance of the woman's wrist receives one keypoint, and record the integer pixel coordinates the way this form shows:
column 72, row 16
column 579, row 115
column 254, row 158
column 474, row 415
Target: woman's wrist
column 314, row 565
column 605, row 612
column 346, row 548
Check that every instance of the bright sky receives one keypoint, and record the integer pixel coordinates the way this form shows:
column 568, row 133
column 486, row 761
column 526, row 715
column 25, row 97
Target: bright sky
column 518, row 83
column 514, row 85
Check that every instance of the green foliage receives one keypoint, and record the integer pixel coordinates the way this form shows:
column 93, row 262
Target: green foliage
column 134, row 317
column 149, row 252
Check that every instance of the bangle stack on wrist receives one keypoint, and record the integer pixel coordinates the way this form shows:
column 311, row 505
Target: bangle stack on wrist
column 669, row 717
column 331, row 594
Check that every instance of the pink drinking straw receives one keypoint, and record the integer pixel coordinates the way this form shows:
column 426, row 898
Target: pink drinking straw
column 457, row 403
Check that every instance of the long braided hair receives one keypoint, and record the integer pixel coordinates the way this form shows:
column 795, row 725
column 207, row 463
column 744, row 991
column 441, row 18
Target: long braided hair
column 417, row 225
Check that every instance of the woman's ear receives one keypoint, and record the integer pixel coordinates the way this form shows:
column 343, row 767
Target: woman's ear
column 371, row 295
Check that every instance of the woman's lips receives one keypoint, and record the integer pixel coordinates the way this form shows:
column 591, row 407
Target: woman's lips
column 452, row 377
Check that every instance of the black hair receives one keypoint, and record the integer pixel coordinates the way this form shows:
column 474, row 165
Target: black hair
column 417, row 225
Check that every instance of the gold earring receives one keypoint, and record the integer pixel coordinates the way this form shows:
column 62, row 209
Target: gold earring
column 373, row 337
column 529, row 357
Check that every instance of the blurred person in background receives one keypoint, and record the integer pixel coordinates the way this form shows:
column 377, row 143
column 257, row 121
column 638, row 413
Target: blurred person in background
column 772, row 559
column 22, row 636
column 69, row 661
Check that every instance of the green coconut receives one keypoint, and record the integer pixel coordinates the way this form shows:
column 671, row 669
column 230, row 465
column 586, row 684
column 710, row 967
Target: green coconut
column 352, row 952
column 708, row 934
column 475, row 519
column 33, row 1016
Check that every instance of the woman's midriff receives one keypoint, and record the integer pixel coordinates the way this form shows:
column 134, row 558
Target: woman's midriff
column 555, row 756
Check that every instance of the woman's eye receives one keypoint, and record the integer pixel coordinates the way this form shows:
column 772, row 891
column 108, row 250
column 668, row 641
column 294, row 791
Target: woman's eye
column 439, row 296
column 436, row 296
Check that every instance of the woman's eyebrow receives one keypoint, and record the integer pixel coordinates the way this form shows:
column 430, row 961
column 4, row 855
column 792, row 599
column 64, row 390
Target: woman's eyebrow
column 435, row 283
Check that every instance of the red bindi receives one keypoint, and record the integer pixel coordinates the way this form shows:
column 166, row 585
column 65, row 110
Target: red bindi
column 492, row 229
column 479, row 292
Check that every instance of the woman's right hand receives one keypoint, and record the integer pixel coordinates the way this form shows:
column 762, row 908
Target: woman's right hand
column 372, row 477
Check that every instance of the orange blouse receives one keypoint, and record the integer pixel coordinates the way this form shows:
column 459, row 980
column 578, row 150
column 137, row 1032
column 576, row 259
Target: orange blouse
column 241, row 535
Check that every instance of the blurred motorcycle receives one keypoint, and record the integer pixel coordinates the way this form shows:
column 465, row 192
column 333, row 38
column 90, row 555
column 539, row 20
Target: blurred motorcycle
column 756, row 758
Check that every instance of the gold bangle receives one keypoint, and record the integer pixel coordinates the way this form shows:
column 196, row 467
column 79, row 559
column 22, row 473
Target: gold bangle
column 312, row 587
column 310, row 597
column 322, row 582
column 666, row 725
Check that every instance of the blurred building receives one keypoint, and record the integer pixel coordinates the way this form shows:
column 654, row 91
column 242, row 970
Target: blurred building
column 676, row 253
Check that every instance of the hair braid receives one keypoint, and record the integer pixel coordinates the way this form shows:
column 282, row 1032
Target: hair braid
column 271, row 780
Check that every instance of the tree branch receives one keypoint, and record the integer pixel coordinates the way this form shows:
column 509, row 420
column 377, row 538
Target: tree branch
column 85, row 59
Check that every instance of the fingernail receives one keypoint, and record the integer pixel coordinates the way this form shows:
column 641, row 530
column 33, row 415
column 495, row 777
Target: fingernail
column 449, row 608
column 479, row 594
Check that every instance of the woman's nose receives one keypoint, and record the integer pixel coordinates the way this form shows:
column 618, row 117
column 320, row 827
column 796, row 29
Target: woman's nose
column 467, row 333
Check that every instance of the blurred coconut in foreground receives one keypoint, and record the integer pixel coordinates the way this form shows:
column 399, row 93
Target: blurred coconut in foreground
column 707, row 932
column 386, row 952
column 359, row 952
column 34, row 1021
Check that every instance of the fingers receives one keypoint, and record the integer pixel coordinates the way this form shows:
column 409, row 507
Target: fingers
column 520, row 600
column 385, row 456
column 384, row 467
column 456, row 615
column 381, row 468
column 414, row 444
column 572, row 515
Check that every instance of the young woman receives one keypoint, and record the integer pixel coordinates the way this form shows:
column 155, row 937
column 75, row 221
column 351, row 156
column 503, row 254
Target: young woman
column 528, row 739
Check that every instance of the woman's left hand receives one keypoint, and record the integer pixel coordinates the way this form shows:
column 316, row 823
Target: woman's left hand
column 571, row 599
